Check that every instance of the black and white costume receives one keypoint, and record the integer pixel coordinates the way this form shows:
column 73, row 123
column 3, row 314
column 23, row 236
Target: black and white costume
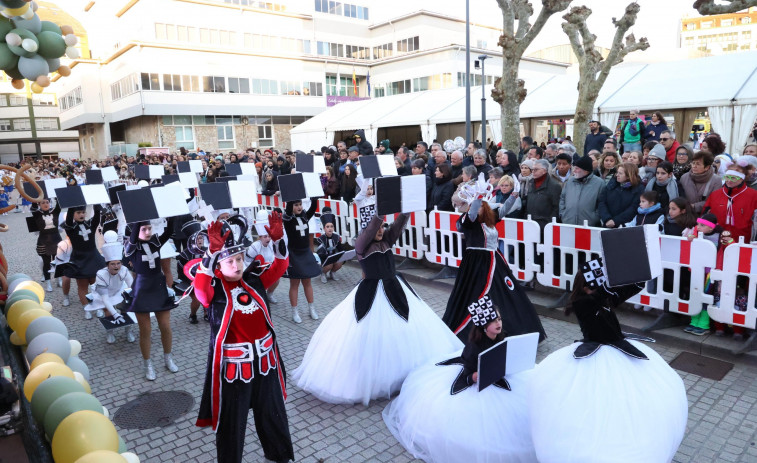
column 61, row 266
column 484, row 271
column 49, row 237
column 440, row 415
column 327, row 246
column 368, row 344
column 149, row 292
column 85, row 259
column 302, row 263
column 616, row 399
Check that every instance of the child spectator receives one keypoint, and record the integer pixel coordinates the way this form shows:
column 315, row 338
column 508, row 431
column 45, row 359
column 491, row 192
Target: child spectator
column 707, row 225
column 649, row 211
column 680, row 217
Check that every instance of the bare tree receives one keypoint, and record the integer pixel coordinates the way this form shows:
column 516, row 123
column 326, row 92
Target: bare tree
column 707, row 7
column 509, row 91
column 593, row 70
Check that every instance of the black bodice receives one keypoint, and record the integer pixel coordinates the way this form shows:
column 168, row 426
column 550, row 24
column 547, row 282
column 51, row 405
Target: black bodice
column 378, row 265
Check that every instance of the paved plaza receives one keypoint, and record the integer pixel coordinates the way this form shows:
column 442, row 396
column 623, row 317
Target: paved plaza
column 722, row 423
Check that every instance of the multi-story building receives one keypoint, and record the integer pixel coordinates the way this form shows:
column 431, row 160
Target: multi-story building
column 223, row 75
column 722, row 33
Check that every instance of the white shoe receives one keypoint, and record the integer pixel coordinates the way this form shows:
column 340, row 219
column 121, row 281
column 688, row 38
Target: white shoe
column 637, row 306
column 170, row 365
column 99, row 313
column 130, row 335
column 296, row 315
column 333, row 276
column 111, row 338
column 66, row 302
column 323, row 278
column 49, row 287
column 87, row 315
column 313, row 313
column 272, row 299
column 149, row 370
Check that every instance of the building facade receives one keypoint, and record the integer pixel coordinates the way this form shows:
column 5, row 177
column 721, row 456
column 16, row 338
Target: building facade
column 226, row 75
column 722, row 33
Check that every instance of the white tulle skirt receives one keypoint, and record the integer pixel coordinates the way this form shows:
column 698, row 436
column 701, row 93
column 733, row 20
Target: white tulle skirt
column 481, row 427
column 351, row 362
column 607, row 408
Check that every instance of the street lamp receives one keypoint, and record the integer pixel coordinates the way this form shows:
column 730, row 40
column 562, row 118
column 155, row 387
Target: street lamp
column 481, row 59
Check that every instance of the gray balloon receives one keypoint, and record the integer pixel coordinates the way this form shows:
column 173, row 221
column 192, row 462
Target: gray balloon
column 12, row 286
column 54, row 343
column 45, row 325
column 77, row 364
column 33, row 25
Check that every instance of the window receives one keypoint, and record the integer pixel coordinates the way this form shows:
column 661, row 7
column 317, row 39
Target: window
column 181, row 34
column 5, row 125
column 239, row 85
column 225, row 136
column 18, row 100
column 265, row 87
column 71, row 99
column 726, row 22
column 746, row 20
column 265, row 135
column 337, row 8
column 39, row 99
column 92, row 142
column 3, row 100
column 214, row 84
column 190, row 83
column 160, row 31
column 291, row 87
column 690, row 26
column 408, row 45
column 481, row 43
column 382, row 51
column 398, row 88
column 150, row 81
column 379, row 92
column 22, row 124
column 706, row 24
column 184, row 137
column 46, row 123
column 312, row 89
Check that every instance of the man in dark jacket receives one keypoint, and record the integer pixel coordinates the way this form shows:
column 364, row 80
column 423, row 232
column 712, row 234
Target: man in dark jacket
column 595, row 139
column 543, row 198
column 362, row 144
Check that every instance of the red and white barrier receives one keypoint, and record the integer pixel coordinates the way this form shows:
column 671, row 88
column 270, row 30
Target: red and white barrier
column 520, row 236
column 678, row 256
column 739, row 259
column 570, row 241
column 411, row 243
column 270, row 202
column 445, row 243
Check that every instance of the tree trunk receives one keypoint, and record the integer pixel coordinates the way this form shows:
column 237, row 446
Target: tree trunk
column 512, row 96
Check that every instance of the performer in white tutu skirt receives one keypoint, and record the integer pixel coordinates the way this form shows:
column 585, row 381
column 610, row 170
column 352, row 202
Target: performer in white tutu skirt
column 441, row 417
column 381, row 331
column 607, row 398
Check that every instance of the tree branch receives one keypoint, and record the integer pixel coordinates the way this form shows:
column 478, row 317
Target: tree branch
column 523, row 13
column 548, row 8
column 708, row 7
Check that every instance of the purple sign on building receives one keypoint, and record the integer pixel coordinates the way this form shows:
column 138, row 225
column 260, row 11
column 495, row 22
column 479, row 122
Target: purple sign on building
column 332, row 100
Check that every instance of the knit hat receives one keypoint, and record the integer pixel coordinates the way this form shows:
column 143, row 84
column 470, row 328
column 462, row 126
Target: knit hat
column 658, row 151
column 113, row 250
column 482, row 311
column 584, row 163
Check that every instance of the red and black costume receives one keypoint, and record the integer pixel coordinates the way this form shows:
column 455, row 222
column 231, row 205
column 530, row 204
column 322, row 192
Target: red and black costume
column 245, row 369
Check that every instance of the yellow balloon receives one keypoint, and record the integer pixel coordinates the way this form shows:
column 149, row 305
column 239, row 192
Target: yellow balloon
column 33, row 285
column 17, row 309
column 37, row 88
column 81, row 380
column 81, row 433
column 27, row 317
column 45, row 358
column 41, row 373
column 102, row 456
column 17, row 11
column 16, row 339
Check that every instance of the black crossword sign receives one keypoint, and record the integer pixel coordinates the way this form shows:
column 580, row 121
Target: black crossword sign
column 366, row 214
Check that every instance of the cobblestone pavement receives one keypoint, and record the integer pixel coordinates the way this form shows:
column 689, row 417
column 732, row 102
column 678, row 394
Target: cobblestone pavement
column 722, row 414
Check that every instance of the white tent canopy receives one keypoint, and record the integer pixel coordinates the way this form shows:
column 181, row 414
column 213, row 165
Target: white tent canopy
column 726, row 85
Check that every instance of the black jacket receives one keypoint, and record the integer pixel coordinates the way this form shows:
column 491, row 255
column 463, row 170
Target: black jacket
column 364, row 146
column 441, row 194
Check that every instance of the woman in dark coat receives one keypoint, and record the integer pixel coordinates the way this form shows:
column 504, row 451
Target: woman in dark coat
column 442, row 189
column 620, row 200
column 348, row 183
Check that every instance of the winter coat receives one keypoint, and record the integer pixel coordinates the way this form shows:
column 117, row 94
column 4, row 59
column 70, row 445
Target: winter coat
column 594, row 142
column 698, row 191
column 665, row 193
column 744, row 205
column 579, row 200
column 619, row 204
column 364, row 146
column 653, row 131
column 542, row 203
column 441, row 194
column 671, row 153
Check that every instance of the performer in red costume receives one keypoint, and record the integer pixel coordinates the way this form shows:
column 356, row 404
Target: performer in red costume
column 244, row 365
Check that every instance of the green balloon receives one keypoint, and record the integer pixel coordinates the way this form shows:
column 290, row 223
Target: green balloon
column 18, row 49
column 21, row 297
column 14, row 73
column 16, row 276
column 23, row 293
column 67, row 404
column 52, row 27
column 121, row 445
column 51, row 390
column 13, row 3
column 8, row 60
column 51, row 45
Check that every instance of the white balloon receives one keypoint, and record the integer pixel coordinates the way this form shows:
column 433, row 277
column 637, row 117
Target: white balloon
column 72, row 52
column 29, row 45
column 13, row 39
column 130, row 457
column 75, row 347
column 34, row 6
column 29, row 14
column 106, row 412
column 70, row 40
